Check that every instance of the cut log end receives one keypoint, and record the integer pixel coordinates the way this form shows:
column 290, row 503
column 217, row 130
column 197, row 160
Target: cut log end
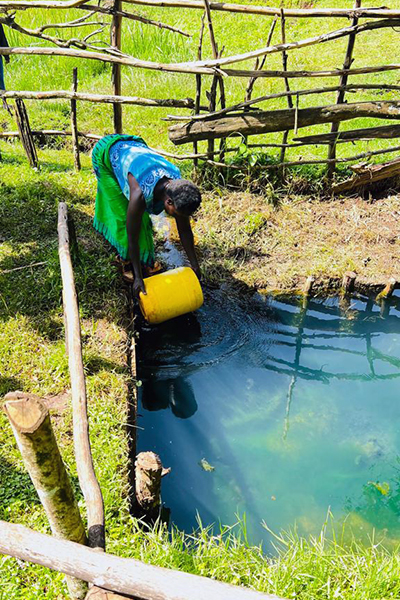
column 148, row 473
column 26, row 412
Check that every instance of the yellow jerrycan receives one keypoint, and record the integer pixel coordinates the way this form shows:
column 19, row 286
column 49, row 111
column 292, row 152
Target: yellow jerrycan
column 170, row 294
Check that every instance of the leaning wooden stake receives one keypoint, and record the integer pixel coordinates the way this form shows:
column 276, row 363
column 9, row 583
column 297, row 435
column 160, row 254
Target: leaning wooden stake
column 340, row 96
column 87, row 477
column 74, row 122
column 30, row 422
column 116, row 30
column 25, row 132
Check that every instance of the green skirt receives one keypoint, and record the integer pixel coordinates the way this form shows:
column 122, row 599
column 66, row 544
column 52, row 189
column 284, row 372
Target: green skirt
column 112, row 206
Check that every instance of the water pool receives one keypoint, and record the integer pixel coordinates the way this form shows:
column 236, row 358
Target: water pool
column 278, row 412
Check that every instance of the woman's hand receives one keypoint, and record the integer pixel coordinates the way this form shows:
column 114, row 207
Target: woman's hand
column 138, row 286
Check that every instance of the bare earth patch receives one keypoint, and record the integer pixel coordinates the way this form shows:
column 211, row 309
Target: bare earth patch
column 275, row 249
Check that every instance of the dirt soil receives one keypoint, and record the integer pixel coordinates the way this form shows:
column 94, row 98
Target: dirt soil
column 242, row 238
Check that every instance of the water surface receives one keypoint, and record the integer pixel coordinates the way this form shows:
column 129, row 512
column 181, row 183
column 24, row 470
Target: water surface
column 266, row 408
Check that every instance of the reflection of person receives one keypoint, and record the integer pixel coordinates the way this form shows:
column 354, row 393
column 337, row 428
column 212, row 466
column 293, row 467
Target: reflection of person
column 133, row 181
column 176, row 393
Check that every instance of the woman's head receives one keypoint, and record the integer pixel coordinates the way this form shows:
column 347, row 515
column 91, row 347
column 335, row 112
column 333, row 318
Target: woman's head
column 182, row 197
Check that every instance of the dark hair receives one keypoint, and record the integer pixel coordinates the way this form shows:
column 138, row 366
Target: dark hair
column 185, row 195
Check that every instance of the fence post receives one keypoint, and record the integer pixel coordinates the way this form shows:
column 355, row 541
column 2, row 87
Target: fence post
column 116, row 28
column 287, row 88
column 31, row 425
column 198, row 86
column 74, row 122
column 341, row 93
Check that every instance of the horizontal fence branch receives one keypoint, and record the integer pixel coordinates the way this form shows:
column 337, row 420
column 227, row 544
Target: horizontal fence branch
column 383, row 132
column 122, row 575
column 254, row 123
column 309, row 92
column 183, row 68
column 372, row 12
column 101, row 98
column 384, row 13
column 319, row 39
column 327, row 161
column 23, row 5
column 50, row 132
column 130, row 16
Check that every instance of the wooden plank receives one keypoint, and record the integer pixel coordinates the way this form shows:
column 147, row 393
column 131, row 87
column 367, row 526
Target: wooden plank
column 121, row 575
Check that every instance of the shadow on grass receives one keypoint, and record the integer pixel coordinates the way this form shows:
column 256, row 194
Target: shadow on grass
column 16, row 486
column 9, row 384
column 28, row 217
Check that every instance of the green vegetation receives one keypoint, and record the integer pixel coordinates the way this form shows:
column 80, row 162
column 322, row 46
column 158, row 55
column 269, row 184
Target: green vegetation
column 32, row 354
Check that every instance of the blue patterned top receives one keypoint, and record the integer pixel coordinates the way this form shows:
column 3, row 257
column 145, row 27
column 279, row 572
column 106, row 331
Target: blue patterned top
column 145, row 165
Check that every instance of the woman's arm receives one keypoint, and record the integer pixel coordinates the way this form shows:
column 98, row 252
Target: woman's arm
column 136, row 209
column 187, row 240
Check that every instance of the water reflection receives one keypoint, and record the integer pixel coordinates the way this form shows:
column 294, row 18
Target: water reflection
column 176, row 394
column 293, row 406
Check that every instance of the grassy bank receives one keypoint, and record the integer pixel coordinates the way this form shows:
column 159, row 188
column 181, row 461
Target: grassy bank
column 32, row 358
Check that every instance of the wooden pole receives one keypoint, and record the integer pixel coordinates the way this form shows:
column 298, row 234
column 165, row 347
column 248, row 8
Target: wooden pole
column 198, row 85
column 122, row 575
column 25, row 133
column 148, row 471
column 341, row 94
column 287, row 87
column 74, row 122
column 216, row 78
column 84, row 462
column 116, row 30
column 30, row 422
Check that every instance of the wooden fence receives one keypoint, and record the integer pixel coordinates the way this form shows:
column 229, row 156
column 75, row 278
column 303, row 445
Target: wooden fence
column 243, row 119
